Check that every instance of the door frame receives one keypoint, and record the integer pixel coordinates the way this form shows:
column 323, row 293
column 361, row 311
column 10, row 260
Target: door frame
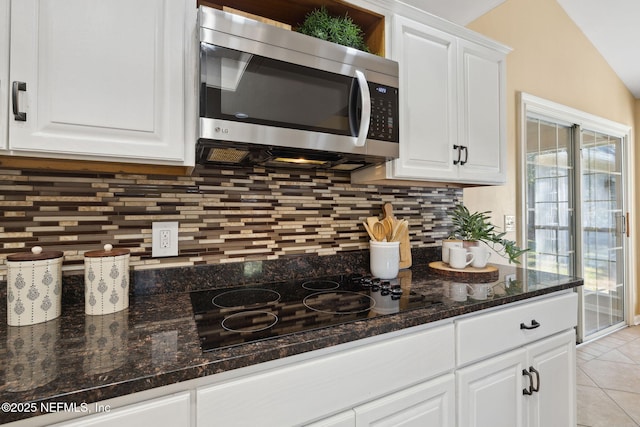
column 528, row 103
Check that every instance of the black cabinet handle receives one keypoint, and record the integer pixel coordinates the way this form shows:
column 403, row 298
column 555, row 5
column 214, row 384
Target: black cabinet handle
column 537, row 387
column 528, row 391
column 19, row 116
column 459, row 148
column 466, row 155
column 533, row 325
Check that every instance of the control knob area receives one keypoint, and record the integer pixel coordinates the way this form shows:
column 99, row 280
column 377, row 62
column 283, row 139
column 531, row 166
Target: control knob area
column 376, row 285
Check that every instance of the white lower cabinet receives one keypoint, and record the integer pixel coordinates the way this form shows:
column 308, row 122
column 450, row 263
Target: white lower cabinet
column 511, row 366
column 490, row 392
column 169, row 411
column 388, row 379
column 429, row 404
column 554, row 404
column 532, row 385
column 343, row 419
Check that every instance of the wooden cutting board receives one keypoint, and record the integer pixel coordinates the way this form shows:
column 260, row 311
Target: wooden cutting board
column 405, row 242
column 489, row 273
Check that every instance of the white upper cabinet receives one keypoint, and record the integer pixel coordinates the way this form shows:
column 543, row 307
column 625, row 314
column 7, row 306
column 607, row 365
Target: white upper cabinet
column 428, row 89
column 481, row 118
column 4, row 72
column 99, row 79
column 452, row 106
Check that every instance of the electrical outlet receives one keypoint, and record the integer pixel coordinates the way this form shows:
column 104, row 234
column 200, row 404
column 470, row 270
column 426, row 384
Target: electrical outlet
column 509, row 223
column 164, row 239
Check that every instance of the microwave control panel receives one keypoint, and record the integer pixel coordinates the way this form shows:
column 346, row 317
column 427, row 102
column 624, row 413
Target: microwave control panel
column 384, row 113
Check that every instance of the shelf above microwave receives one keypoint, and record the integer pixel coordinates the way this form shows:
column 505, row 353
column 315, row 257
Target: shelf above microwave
column 293, row 13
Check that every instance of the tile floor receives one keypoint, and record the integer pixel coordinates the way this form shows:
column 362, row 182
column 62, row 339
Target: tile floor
column 608, row 380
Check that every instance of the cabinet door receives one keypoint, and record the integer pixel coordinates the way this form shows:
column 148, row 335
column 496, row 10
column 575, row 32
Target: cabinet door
column 344, row 419
column 490, row 392
column 429, row 404
column 167, row 411
column 427, row 59
column 4, row 72
column 482, row 114
column 555, row 402
column 101, row 78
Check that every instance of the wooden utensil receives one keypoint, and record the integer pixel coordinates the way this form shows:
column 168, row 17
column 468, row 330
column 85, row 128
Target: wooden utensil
column 369, row 231
column 402, row 237
column 388, row 219
column 379, row 232
column 371, row 220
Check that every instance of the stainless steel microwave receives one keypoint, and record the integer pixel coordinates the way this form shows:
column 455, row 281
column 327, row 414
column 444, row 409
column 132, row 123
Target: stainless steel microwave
column 271, row 96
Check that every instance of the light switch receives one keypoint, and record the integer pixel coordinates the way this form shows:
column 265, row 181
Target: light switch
column 509, row 223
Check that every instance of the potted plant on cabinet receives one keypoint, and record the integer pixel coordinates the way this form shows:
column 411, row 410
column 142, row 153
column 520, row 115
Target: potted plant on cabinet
column 477, row 227
column 337, row 29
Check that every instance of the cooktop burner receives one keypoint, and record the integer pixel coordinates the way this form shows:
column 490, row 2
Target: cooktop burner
column 232, row 316
column 340, row 302
column 246, row 298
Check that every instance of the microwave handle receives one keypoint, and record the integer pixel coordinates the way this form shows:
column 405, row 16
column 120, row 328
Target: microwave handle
column 365, row 99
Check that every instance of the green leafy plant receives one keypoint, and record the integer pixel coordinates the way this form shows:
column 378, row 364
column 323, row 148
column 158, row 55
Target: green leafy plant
column 477, row 226
column 337, row 29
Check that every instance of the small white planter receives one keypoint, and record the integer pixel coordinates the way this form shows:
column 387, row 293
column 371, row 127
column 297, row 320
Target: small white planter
column 106, row 280
column 34, row 287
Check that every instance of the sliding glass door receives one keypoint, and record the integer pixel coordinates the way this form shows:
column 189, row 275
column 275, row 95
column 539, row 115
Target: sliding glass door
column 575, row 214
column 603, row 231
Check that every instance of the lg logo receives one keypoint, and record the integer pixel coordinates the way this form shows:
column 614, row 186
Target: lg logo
column 218, row 129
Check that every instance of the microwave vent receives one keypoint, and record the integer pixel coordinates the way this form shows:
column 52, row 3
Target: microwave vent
column 227, row 155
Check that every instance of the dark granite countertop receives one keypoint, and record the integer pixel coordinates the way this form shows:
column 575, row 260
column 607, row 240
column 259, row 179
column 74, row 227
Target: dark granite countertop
column 155, row 342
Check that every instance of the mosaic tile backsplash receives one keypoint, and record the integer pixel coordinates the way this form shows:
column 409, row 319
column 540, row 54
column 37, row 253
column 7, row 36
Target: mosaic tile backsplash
column 225, row 215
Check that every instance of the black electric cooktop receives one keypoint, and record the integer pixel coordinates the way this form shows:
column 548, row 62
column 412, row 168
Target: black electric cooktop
column 239, row 315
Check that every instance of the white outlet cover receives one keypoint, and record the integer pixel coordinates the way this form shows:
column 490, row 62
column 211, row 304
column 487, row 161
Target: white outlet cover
column 156, row 249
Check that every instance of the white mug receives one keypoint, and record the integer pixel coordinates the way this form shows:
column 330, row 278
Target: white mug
column 385, row 259
column 481, row 255
column 481, row 291
column 446, row 245
column 459, row 291
column 459, row 258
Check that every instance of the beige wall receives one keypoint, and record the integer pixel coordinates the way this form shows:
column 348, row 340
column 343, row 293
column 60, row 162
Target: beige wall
column 551, row 59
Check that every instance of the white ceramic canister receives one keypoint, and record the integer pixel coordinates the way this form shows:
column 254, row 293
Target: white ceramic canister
column 106, row 280
column 34, row 287
column 384, row 259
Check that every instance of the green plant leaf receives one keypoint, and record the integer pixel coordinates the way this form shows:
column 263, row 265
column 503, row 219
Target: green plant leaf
column 337, row 29
column 477, row 226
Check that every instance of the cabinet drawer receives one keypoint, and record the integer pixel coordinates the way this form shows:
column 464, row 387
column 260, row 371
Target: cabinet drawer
column 290, row 395
column 484, row 335
column 174, row 410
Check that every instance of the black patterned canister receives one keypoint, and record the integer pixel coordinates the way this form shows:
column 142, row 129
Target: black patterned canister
column 34, row 287
column 106, row 280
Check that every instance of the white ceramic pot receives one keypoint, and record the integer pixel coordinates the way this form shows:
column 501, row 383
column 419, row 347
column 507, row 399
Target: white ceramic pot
column 106, row 280
column 384, row 259
column 34, row 287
